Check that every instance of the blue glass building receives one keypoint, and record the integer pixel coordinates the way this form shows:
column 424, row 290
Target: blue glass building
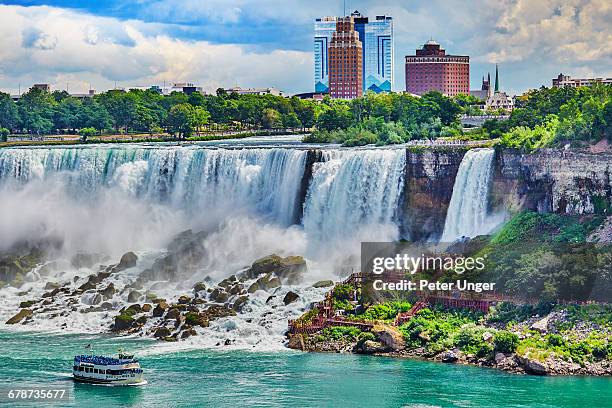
column 377, row 38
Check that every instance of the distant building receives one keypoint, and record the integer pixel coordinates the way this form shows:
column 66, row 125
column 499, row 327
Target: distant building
column 485, row 91
column 182, row 87
column 317, row 96
column 345, row 61
column 496, row 99
column 376, row 36
column 430, row 69
column 563, row 81
column 43, row 87
column 255, row 91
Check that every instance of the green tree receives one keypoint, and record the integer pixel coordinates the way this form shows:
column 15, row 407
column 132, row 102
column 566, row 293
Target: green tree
column 86, row 133
column 4, row 133
column 9, row 115
column 181, row 120
column 36, row 109
column 271, row 119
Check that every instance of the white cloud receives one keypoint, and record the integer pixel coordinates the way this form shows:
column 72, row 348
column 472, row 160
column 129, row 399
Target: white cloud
column 46, row 44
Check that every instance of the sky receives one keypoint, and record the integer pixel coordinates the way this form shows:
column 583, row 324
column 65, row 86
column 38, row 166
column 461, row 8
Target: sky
column 80, row 44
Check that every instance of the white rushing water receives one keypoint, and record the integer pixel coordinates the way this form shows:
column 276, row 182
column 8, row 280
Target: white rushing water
column 468, row 214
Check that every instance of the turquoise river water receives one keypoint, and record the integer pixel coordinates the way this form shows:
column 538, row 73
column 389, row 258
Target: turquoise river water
column 209, row 378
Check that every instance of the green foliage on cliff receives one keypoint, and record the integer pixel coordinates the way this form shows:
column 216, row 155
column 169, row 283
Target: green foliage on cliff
column 385, row 311
column 505, row 341
column 554, row 116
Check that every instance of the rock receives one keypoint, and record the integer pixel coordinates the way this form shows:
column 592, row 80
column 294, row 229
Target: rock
column 157, row 300
column 269, row 299
column 188, row 333
column 52, row 285
column 266, row 283
column 218, row 311
column 323, row 284
column 239, row 303
column 133, row 309
column 184, row 299
column 91, row 283
column 128, row 260
column 228, row 342
column 160, row 309
column 499, row 358
column 26, row 303
column 290, row 297
column 142, row 320
column 390, row 337
column 146, row 308
column 21, row 315
column 535, row 367
column 133, row 296
column 162, row 332
column 150, row 297
column 370, row 347
column 196, row 319
column 296, row 342
column 227, row 282
column 199, row 287
column 449, row 356
column 289, row 269
column 95, row 300
column 219, row 295
column 487, row 336
column 109, row 291
column 123, row 322
column 541, row 325
column 236, row 289
column 173, row 313
column 106, row 306
column 51, row 294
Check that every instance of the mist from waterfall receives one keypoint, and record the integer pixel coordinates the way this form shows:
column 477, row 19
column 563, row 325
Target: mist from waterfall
column 468, row 212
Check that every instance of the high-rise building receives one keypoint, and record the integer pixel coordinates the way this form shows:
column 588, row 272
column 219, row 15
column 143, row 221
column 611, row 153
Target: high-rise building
column 324, row 30
column 432, row 70
column 376, row 36
column 345, row 61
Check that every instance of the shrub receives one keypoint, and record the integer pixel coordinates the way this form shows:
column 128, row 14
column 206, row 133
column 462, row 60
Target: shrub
column 343, row 291
column 4, row 133
column 470, row 340
column 555, row 340
column 385, row 311
column 505, row 341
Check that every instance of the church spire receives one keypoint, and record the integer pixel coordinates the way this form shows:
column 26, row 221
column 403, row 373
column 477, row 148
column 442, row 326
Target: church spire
column 496, row 78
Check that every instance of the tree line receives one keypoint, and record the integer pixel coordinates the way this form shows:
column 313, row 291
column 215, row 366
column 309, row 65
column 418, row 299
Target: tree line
column 39, row 112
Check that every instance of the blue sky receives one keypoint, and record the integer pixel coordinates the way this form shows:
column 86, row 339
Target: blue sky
column 269, row 42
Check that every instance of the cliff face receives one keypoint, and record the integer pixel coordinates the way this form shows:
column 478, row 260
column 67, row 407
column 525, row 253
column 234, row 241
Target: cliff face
column 428, row 188
column 569, row 182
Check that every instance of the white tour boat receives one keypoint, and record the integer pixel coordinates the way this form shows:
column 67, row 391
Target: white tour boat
column 124, row 370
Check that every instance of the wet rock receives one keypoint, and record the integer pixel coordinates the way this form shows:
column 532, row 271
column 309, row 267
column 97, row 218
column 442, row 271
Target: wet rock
column 91, row 283
column 52, row 285
column 289, row 269
column 323, row 284
column 290, row 297
column 133, row 309
column 133, row 296
column 188, row 333
column 26, row 303
column 199, row 287
column 228, row 342
column 146, row 308
column 227, row 282
column 150, row 297
column 219, row 295
column 173, row 313
column 265, row 283
column 236, row 289
column 218, row 311
column 239, row 303
column 184, row 299
column 160, row 309
column 128, row 260
column 532, row 366
column 269, row 299
column 51, row 294
column 96, row 299
column 106, row 306
column 196, row 319
column 21, row 315
column 162, row 332
column 157, row 300
column 123, row 322
column 142, row 320
column 296, row 342
column 109, row 291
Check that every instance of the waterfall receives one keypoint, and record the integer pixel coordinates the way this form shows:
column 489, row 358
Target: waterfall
column 468, row 209
column 352, row 190
column 192, row 178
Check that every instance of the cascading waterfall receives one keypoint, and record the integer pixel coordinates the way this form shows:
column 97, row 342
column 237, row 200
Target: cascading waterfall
column 467, row 214
column 266, row 180
column 352, row 190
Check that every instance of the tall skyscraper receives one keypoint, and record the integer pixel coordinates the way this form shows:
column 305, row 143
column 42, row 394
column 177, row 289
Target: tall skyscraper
column 431, row 69
column 376, row 37
column 324, row 29
column 345, row 61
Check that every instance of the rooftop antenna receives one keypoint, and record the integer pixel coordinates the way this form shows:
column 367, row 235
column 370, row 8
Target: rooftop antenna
column 344, row 9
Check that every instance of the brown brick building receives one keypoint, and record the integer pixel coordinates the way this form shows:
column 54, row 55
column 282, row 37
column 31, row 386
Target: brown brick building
column 345, row 61
column 432, row 70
